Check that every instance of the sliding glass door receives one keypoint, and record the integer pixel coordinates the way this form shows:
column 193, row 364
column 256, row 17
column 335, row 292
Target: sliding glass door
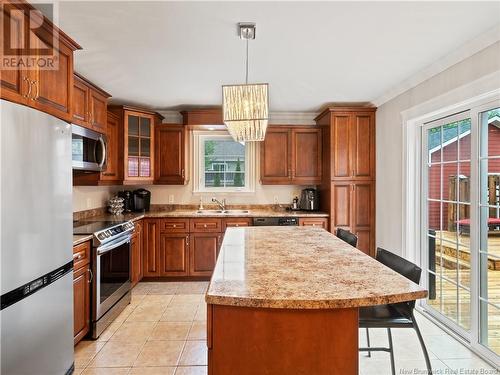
column 489, row 229
column 461, row 223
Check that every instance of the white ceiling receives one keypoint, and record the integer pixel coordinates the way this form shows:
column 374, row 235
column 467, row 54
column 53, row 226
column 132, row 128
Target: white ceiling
column 168, row 54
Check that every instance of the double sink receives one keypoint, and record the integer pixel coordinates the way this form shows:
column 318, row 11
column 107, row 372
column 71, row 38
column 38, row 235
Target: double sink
column 221, row 212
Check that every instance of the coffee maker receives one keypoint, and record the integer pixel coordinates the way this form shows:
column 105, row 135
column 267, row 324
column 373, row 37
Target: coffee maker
column 142, row 199
column 309, row 200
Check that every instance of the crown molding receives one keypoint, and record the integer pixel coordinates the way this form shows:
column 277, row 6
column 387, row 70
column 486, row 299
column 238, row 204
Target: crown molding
column 289, row 118
column 463, row 52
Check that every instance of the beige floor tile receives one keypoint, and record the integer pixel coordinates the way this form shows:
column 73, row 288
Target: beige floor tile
column 136, row 332
column 125, row 313
column 147, row 313
column 152, row 371
column 186, row 299
column 194, row 354
column 85, row 351
column 193, row 287
column 164, row 288
column 201, row 315
column 370, row 366
column 191, row 370
column 141, row 288
column 184, row 313
column 446, row 347
column 110, row 330
column 171, row 331
column 107, row 371
column 160, row 353
column 116, row 354
column 136, row 299
column 157, row 299
column 78, row 371
column 198, row 331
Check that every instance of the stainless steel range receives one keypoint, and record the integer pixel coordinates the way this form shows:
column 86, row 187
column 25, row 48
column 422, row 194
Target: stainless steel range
column 110, row 267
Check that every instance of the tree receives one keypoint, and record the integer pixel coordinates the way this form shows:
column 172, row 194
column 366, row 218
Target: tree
column 238, row 181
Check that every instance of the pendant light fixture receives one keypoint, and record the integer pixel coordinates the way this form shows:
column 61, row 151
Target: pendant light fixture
column 245, row 107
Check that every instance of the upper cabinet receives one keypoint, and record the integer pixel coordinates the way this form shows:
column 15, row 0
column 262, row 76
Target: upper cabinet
column 291, row 155
column 170, row 154
column 138, row 143
column 46, row 84
column 352, row 139
column 90, row 105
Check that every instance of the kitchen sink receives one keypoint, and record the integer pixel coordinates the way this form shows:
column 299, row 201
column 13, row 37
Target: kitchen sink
column 220, row 212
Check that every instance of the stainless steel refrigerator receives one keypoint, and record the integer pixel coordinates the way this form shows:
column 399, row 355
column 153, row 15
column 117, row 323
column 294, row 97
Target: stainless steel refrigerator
column 36, row 323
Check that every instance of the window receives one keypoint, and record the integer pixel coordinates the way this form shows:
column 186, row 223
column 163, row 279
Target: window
column 221, row 164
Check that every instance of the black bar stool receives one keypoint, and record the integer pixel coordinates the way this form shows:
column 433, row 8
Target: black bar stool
column 347, row 236
column 396, row 315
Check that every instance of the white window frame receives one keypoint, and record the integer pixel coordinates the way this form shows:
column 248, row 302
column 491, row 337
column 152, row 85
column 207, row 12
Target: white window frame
column 414, row 119
column 198, row 138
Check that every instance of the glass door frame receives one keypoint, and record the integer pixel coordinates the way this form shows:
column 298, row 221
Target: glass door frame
column 472, row 111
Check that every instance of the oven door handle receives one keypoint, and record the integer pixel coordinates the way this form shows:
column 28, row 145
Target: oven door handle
column 110, row 246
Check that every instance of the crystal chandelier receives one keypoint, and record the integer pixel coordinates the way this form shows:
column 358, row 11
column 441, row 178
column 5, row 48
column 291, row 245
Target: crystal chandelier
column 245, row 107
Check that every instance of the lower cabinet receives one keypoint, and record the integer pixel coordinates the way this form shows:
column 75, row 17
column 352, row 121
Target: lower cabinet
column 320, row 222
column 81, row 291
column 203, row 250
column 150, row 251
column 173, row 252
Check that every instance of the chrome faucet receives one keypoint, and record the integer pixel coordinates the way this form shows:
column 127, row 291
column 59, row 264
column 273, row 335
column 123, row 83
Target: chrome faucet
column 221, row 204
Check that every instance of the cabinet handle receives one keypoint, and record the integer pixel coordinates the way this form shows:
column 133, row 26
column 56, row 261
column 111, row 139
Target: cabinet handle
column 175, row 226
column 91, row 276
column 204, row 225
column 37, row 90
column 28, row 95
column 77, row 256
column 289, row 173
column 187, row 240
column 182, row 172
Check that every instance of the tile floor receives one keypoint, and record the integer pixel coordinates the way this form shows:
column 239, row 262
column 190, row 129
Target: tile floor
column 163, row 331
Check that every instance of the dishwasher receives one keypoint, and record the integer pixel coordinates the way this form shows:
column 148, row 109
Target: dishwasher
column 275, row 221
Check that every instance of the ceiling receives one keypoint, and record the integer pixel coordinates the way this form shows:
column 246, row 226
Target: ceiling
column 170, row 54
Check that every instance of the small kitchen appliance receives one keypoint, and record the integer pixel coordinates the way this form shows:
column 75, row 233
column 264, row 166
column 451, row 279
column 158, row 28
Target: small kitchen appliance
column 88, row 149
column 142, row 199
column 309, row 200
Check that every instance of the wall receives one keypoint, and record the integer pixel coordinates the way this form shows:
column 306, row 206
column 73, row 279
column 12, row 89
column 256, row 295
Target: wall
column 389, row 196
column 90, row 197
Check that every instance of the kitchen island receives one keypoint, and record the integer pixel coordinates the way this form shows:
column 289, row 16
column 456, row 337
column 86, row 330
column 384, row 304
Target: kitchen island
column 285, row 300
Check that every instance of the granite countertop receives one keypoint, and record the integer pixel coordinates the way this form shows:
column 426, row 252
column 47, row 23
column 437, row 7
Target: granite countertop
column 80, row 238
column 192, row 213
column 301, row 268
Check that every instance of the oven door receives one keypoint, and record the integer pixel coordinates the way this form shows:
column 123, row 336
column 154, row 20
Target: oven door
column 112, row 274
column 88, row 149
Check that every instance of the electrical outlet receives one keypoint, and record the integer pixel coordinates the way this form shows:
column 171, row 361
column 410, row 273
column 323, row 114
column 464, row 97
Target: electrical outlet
column 171, row 199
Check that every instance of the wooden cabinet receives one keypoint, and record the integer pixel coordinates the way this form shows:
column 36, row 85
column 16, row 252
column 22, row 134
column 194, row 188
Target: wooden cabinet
column 174, row 254
column 353, row 145
column 81, row 291
column 170, row 168
column 136, row 254
column 138, row 143
column 320, row 222
column 151, row 257
column 291, row 155
column 353, row 209
column 203, row 250
column 347, row 188
column 209, row 224
column 48, row 83
column 236, row 222
column 90, row 105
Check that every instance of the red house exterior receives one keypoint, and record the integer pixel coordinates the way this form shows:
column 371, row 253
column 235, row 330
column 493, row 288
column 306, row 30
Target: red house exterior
column 454, row 168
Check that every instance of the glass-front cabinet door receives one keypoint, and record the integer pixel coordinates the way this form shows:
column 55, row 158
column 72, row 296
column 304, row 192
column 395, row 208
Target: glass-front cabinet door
column 138, row 146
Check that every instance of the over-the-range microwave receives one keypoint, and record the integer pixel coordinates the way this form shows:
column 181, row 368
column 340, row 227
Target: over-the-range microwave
column 88, row 149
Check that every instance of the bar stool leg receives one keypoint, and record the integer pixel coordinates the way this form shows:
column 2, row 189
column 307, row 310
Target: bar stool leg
column 391, row 351
column 368, row 341
column 422, row 344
